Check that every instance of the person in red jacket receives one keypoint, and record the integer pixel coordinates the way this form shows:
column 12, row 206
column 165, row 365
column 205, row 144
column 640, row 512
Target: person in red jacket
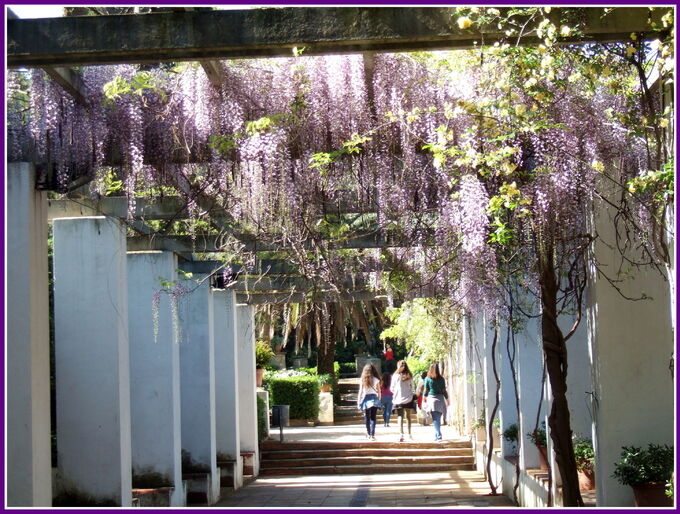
column 389, row 358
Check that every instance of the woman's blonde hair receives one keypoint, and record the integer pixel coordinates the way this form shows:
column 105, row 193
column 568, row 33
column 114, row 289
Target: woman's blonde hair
column 368, row 374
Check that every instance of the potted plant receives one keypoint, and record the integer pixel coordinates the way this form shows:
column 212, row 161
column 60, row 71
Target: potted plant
column 538, row 437
column 585, row 462
column 277, row 343
column 263, row 355
column 325, row 381
column 647, row 472
column 510, row 434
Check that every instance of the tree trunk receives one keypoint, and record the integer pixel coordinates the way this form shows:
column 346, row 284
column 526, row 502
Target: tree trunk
column 497, row 401
column 555, row 352
column 326, row 352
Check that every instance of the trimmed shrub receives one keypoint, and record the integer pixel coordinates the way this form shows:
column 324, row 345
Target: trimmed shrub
column 261, row 420
column 347, row 367
column 301, row 393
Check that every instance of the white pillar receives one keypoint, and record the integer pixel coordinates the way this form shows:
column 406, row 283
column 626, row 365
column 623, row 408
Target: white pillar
column 489, row 377
column 246, row 382
column 632, row 347
column 226, row 382
column 579, row 379
column 154, row 374
column 91, row 357
column 508, row 407
column 29, row 468
column 197, row 365
column 530, row 371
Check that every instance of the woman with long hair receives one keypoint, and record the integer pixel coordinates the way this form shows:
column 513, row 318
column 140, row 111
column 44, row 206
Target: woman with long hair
column 368, row 399
column 386, row 397
column 435, row 395
column 402, row 396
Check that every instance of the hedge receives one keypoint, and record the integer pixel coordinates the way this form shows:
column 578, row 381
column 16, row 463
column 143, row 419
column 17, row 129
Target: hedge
column 347, row 367
column 261, row 419
column 301, row 393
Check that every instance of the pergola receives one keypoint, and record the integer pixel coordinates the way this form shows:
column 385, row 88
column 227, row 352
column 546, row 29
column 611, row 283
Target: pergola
column 179, row 34
column 60, row 45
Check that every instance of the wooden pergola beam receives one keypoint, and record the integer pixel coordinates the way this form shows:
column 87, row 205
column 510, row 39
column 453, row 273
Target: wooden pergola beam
column 168, row 207
column 273, row 32
column 67, row 78
column 347, row 296
column 215, row 243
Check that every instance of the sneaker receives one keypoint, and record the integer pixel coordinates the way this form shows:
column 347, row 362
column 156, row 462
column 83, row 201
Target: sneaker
column 401, row 439
column 410, row 437
column 372, row 438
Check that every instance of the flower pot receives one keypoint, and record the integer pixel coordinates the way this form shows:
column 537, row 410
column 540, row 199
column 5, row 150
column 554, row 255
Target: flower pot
column 586, row 479
column 259, row 375
column 278, row 347
column 325, row 388
column 651, row 494
column 543, row 455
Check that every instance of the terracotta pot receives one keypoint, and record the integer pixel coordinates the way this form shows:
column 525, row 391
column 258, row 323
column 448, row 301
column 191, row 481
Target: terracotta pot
column 651, row 494
column 278, row 347
column 543, row 455
column 325, row 388
column 586, row 479
column 259, row 375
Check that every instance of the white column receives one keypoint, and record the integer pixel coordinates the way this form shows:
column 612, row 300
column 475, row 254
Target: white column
column 632, row 347
column 245, row 326
column 226, row 382
column 579, row 379
column 508, row 407
column 530, row 371
column 154, row 373
column 91, row 357
column 197, row 381
column 29, row 468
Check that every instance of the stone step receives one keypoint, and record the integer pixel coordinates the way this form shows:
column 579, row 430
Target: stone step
column 369, row 460
column 368, row 452
column 272, row 445
column 363, row 470
column 357, row 421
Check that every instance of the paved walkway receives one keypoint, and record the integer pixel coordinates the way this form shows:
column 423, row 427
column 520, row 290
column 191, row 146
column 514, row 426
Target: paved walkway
column 436, row 489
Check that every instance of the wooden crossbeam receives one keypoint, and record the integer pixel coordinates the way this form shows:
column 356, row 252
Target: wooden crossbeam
column 216, row 243
column 67, row 78
column 229, row 34
column 296, row 284
column 347, row 296
column 168, row 207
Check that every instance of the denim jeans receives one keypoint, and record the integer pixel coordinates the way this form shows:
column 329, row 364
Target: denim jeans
column 436, row 422
column 387, row 402
column 369, row 416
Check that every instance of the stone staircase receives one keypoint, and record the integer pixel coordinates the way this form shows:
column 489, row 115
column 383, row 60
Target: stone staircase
column 369, row 457
column 345, row 411
column 361, row 457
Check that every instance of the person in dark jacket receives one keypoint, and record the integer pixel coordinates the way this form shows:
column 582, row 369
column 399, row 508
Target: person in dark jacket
column 435, row 396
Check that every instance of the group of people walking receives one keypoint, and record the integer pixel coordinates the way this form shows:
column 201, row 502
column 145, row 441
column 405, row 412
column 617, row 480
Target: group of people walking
column 395, row 393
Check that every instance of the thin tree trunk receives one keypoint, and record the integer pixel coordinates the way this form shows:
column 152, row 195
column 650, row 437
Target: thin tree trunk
column 555, row 352
column 511, row 348
column 489, row 421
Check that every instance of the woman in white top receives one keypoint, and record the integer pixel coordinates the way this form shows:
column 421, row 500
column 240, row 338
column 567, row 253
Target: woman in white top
column 368, row 399
column 402, row 396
